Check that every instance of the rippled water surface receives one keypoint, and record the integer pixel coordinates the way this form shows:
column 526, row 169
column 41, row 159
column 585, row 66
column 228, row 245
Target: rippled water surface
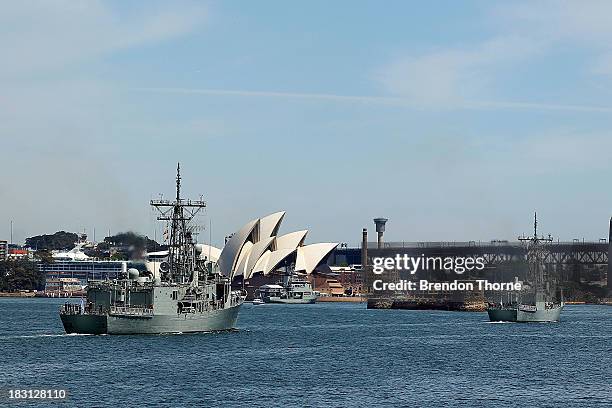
column 317, row 355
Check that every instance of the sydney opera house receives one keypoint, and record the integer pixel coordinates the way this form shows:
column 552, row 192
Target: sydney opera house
column 256, row 254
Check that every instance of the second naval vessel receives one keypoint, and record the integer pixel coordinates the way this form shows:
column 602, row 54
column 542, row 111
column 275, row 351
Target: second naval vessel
column 537, row 303
column 189, row 295
column 294, row 290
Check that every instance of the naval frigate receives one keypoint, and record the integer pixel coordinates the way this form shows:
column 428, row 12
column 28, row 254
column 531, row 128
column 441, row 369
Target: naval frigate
column 538, row 304
column 188, row 294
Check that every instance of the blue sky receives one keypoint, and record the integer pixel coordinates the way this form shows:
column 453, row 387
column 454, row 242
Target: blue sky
column 456, row 120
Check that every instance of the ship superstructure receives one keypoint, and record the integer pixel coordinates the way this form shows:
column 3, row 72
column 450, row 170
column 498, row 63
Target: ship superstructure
column 292, row 290
column 188, row 294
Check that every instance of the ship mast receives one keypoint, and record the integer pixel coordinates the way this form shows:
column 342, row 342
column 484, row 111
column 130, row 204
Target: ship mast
column 536, row 253
column 181, row 251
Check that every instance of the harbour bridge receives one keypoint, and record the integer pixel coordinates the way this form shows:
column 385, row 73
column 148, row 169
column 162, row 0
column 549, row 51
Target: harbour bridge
column 495, row 252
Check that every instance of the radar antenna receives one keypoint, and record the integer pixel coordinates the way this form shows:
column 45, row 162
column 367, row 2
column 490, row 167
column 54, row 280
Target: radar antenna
column 536, row 253
column 179, row 213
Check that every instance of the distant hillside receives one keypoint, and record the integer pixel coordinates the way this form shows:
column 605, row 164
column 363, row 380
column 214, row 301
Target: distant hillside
column 134, row 240
column 59, row 240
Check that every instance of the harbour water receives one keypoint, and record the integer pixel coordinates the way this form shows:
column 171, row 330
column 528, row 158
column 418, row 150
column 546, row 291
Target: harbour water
column 328, row 354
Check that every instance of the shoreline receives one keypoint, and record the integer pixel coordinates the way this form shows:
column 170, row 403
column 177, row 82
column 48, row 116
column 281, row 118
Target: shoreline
column 19, row 294
column 346, row 299
column 326, row 299
column 39, row 295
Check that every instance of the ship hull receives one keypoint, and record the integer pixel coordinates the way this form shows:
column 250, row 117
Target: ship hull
column 85, row 324
column 516, row 315
column 216, row 320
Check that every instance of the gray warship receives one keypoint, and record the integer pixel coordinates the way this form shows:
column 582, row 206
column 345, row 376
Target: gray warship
column 294, row 290
column 537, row 303
column 189, row 295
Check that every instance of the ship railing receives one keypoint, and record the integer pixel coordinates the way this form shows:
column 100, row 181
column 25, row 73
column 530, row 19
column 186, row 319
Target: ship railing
column 528, row 308
column 131, row 311
column 71, row 309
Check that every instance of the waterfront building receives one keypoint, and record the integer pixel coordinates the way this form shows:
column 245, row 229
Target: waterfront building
column 350, row 277
column 83, row 271
column 338, row 280
column 3, row 250
column 63, row 287
column 327, row 286
column 19, row 253
column 76, row 265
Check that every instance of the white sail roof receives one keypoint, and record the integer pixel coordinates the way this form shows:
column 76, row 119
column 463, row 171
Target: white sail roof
column 240, row 267
column 256, row 253
column 231, row 250
column 208, row 251
column 291, row 240
column 276, row 258
column 255, row 248
column 261, row 264
column 269, row 225
column 309, row 256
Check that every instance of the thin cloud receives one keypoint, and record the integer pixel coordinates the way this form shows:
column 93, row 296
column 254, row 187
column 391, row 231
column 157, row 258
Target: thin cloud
column 526, row 32
column 447, row 77
column 274, row 94
column 383, row 100
column 57, row 34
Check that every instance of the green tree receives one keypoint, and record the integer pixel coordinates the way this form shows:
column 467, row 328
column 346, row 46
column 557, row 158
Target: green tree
column 59, row 240
column 119, row 256
column 44, row 255
column 20, row 275
column 133, row 240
